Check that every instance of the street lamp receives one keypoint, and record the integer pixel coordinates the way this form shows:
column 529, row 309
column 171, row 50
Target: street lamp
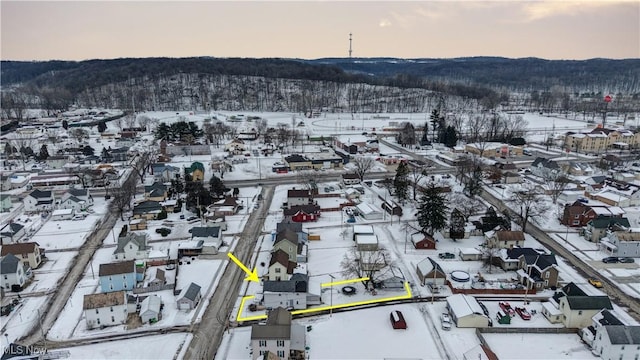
column 331, row 296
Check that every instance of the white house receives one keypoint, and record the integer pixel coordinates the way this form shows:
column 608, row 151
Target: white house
column 11, row 233
column 14, row 272
column 77, row 199
column 39, row 200
column 466, row 311
column 62, row 214
column 614, row 342
column 132, row 246
column 150, row 309
column 278, row 336
column 578, row 311
column 105, row 309
column 289, row 294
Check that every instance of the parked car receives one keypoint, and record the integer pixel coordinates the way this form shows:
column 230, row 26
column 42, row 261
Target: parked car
column 445, row 321
column 596, row 283
column 610, row 260
column 446, row 255
column 626, row 260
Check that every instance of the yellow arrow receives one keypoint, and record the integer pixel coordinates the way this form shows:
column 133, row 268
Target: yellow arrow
column 253, row 275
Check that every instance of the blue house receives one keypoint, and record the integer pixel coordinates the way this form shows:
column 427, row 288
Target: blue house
column 117, row 276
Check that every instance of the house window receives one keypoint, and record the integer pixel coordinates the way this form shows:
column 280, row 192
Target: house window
column 98, row 321
column 280, row 343
column 5, row 276
column 579, row 312
column 113, row 319
column 262, row 343
column 281, row 354
column 546, row 275
column 96, row 311
column 130, row 246
column 262, row 352
column 278, row 270
column 112, row 309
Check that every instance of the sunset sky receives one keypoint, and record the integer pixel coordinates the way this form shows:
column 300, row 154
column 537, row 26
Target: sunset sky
column 79, row 30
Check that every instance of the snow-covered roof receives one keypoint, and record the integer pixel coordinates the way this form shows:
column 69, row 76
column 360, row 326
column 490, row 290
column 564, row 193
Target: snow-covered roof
column 464, row 305
column 62, row 212
column 612, row 196
column 362, row 229
column 365, row 208
column 366, row 239
column 470, row 251
column 551, row 308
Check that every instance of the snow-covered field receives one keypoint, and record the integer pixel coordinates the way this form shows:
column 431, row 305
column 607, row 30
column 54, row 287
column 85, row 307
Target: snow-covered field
column 538, row 346
column 165, row 346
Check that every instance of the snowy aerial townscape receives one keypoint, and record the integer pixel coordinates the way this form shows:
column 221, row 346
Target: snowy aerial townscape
column 320, row 235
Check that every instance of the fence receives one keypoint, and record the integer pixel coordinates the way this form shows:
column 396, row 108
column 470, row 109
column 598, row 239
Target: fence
column 153, row 288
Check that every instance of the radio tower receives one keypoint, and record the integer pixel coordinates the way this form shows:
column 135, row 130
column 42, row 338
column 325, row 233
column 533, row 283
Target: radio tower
column 349, row 45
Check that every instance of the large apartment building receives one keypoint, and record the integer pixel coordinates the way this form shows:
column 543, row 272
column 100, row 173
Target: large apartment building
column 601, row 139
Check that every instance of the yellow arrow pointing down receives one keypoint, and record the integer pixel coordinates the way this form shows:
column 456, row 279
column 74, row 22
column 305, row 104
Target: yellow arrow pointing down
column 253, row 275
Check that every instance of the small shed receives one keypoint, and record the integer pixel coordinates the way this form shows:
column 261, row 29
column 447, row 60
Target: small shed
column 369, row 211
column 466, row 311
column 189, row 297
column 62, row 214
column 469, row 254
column 150, row 309
column 423, row 241
column 366, row 242
column 397, row 320
column 430, row 272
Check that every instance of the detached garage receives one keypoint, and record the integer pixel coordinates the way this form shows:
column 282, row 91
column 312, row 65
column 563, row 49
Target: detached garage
column 369, row 211
column 466, row 311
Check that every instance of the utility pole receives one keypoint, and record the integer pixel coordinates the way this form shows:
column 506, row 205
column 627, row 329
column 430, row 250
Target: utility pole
column 44, row 338
column 331, row 295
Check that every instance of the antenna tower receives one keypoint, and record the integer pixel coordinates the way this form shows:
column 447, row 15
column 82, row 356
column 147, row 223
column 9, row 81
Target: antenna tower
column 350, row 45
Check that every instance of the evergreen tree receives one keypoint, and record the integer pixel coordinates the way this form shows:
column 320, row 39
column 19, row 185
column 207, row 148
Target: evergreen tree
column 44, row 152
column 456, row 225
column 450, row 138
column 102, row 127
column 424, row 140
column 163, row 132
column 88, row 150
column 432, row 209
column 434, row 118
column 473, row 184
column 401, row 182
column 65, row 124
column 105, row 154
column 217, row 187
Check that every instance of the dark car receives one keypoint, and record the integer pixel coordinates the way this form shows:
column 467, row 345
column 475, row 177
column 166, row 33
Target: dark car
column 484, row 308
column 610, row 260
column 446, row 255
column 626, row 260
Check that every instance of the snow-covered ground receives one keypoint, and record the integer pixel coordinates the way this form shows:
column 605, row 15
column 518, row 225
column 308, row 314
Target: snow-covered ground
column 165, row 346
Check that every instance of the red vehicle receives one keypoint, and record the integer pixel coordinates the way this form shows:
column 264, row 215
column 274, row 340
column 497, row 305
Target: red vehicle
column 524, row 314
column 506, row 307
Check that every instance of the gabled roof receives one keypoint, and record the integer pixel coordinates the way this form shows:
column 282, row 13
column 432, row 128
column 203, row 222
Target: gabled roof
column 147, row 206
column 156, row 186
column 9, row 264
column 39, row 194
column 196, row 166
column 295, row 158
column 298, row 193
column 117, row 268
column 306, row 209
column 12, row 228
column 605, row 317
column 191, row 292
column 505, row 235
column 139, row 239
column 205, row 231
column 151, row 303
column 78, row 192
column 589, row 302
column 96, row 301
column 606, row 222
column 297, row 283
column 19, row 248
column 293, row 226
column 278, row 326
column 428, row 265
column 623, row 335
column 286, row 234
column 515, row 253
column 282, row 258
column 542, row 261
column 542, row 162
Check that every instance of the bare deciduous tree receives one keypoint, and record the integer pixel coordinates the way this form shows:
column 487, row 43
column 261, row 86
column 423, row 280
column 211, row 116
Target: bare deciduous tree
column 144, row 121
column 417, row 174
column 122, row 196
column 143, row 162
column 467, row 206
column 363, row 164
column 374, row 265
column 79, row 134
column 556, row 183
column 22, row 142
column 530, row 203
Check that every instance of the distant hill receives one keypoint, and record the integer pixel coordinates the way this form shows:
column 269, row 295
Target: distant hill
column 525, row 74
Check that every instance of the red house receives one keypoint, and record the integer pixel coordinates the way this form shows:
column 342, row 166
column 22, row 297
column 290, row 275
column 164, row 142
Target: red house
column 579, row 214
column 423, row 241
column 397, row 320
column 303, row 213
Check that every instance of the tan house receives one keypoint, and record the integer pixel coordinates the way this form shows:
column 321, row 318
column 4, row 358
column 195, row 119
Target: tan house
column 29, row 253
column 578, row 311
column 600, row 139
column 155, row 192
column 538, row 271
column 196, row 170
column 287, row 241
column 280, row 267
column 504, row 239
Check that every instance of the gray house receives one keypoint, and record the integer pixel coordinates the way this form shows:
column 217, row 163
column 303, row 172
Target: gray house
column 293, row 293
column 189, row 297
column 12, row 232
column 622, row 243
column 5, row 202
column 278, row 336
column 597, row 228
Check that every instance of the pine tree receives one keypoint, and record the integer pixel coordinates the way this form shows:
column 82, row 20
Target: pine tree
column 102, row 127
column 217, row 187
column 432, row 209
column 450, row 137
column 456, row 225
column 473, row 185
column 65, row 124
column 434, row 118
column 44, row 152
column 401, row 182
column 425, row 135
